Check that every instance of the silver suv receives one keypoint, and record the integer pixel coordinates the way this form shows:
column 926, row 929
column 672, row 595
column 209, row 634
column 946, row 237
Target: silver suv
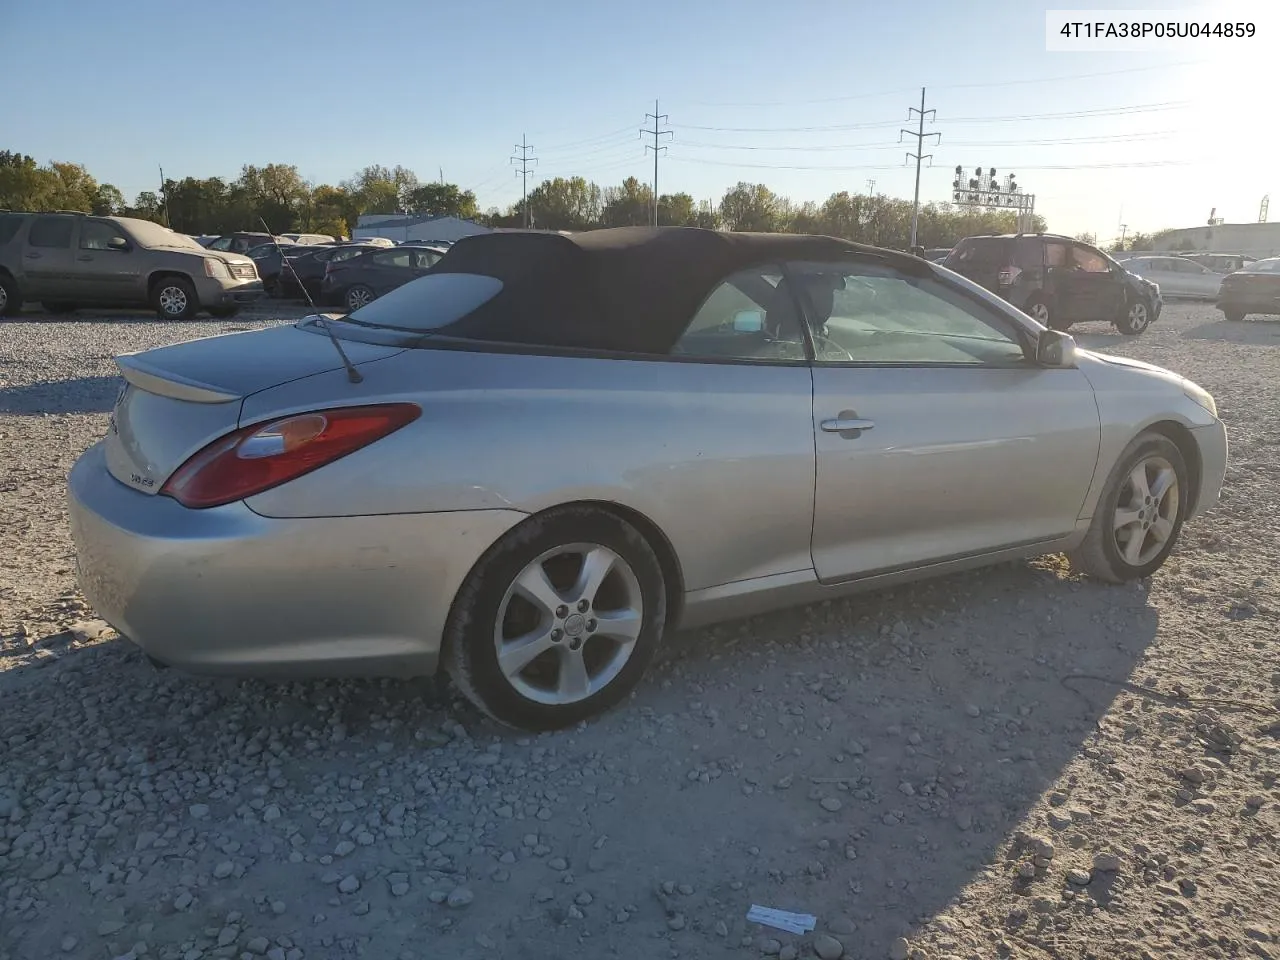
column 71, row 260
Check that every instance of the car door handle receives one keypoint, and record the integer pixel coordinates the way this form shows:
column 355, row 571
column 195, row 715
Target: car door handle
column 85, row 257
column 846, row 425
column 33, row 256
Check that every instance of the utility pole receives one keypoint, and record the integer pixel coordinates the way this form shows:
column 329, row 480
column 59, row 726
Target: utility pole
column 164, row 196
column 524, row 159
column 657, row 118
column 1124, row 230
column 918, row 155
column 871, row 188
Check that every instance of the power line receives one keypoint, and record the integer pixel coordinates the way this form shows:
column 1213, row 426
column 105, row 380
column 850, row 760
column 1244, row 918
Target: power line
column 657, row 118
column 1069, row 115
column 894, row 144
column 1065, row 166
column 524, row 160
column 951, row 86
column 919, row 156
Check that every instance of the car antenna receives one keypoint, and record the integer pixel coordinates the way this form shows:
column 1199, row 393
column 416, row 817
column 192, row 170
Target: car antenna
column 354, row 375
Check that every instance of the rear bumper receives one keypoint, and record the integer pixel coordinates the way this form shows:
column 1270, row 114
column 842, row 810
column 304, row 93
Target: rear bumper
column 1211, row 440
column 227, row 591
column 1269, row 306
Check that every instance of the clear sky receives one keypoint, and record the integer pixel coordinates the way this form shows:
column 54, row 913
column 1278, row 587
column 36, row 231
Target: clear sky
column 334, row 85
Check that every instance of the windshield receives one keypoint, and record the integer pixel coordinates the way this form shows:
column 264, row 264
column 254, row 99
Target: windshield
column 150, row 234
column 430, row 302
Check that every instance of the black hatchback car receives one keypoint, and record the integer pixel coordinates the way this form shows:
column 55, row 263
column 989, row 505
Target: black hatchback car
column 1255, row 289
column 1058, row 281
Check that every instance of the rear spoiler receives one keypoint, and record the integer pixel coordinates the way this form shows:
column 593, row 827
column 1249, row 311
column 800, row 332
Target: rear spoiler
column 145, row 377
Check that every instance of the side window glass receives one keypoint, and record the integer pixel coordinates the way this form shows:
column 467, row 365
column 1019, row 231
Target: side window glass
column 1056, row 254
column 867, row 313
column 1088, row 261
column 9, row 224
column 1029, row 253
column 749, row 316
column 98, row 234
column 425, row 258
column 400, row 259
column 51, row 233
column 222, row 243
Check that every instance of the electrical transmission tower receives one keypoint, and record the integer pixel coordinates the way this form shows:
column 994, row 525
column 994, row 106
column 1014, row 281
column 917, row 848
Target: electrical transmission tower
column 919, row 156
column 656, row 133
column 524, row 159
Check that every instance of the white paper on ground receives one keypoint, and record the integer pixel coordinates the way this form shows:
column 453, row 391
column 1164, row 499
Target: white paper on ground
column 798, row 923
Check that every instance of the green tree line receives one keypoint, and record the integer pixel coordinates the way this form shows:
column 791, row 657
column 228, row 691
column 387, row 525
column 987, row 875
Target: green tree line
column 281, row 196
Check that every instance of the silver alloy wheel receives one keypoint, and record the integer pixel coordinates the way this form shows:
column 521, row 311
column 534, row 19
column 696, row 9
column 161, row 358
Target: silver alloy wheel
column 576, row 613
column 1040, row 313
column 1138, row 316
column 4, row 298
column 173, row 300
column 357, row 297
column 1146, row 511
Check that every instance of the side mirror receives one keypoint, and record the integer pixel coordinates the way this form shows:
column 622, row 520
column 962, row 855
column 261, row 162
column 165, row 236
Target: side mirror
column 748, row 321
column 1055, row 349
column 118, row 243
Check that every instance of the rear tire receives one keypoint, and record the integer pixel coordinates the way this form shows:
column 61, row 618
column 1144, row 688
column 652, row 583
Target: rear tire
column 1134, row 318
column 1233, row 316
column 1039, row 310
column 174, row 298
column 10, row 298
column 357, row 296
column 612, row 621
column 1150, row 512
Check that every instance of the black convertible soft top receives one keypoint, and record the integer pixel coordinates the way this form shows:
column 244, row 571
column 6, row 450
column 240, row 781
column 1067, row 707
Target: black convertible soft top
column 625, row 289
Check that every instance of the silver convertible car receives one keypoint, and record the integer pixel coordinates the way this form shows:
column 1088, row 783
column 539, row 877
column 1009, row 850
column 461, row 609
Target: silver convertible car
column 546, row 454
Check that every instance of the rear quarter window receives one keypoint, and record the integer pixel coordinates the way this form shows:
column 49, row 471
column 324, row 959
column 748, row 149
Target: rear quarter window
column 990, row 252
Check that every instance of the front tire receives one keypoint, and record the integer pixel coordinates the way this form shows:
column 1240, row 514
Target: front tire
column 1233, row 316
column 174, row 298
column 558, row 620
column 1135, row 317
column 1139, row 516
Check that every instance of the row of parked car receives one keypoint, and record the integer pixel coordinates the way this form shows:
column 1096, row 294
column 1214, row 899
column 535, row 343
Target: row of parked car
column 1060, row 281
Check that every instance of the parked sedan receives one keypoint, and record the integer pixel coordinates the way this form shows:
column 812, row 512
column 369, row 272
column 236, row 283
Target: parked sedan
column 304, row 267
column 1177, row 276
column 356, row 281
column 536, row 461
column 1255, row 289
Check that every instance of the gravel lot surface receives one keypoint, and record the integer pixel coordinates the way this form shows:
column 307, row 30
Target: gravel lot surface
column 926, row 771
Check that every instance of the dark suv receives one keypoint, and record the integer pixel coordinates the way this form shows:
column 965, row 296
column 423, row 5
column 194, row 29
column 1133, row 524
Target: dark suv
column 71, row 260
column 1058, row 281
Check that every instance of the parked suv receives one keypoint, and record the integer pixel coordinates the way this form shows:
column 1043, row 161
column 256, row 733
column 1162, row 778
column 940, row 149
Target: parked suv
column 1058, row 281
column 70, row 260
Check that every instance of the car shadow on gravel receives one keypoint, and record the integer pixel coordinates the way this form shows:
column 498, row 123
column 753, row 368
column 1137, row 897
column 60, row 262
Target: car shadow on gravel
column 78, row 395
column 1253, row 332
column 863, row 759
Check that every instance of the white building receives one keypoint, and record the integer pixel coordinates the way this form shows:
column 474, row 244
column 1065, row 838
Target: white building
column 408, row 226
column 1251, row 239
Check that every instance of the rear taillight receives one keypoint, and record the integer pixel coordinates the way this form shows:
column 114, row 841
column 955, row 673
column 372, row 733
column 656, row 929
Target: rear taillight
column 1008, row 275
column 256, row 458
